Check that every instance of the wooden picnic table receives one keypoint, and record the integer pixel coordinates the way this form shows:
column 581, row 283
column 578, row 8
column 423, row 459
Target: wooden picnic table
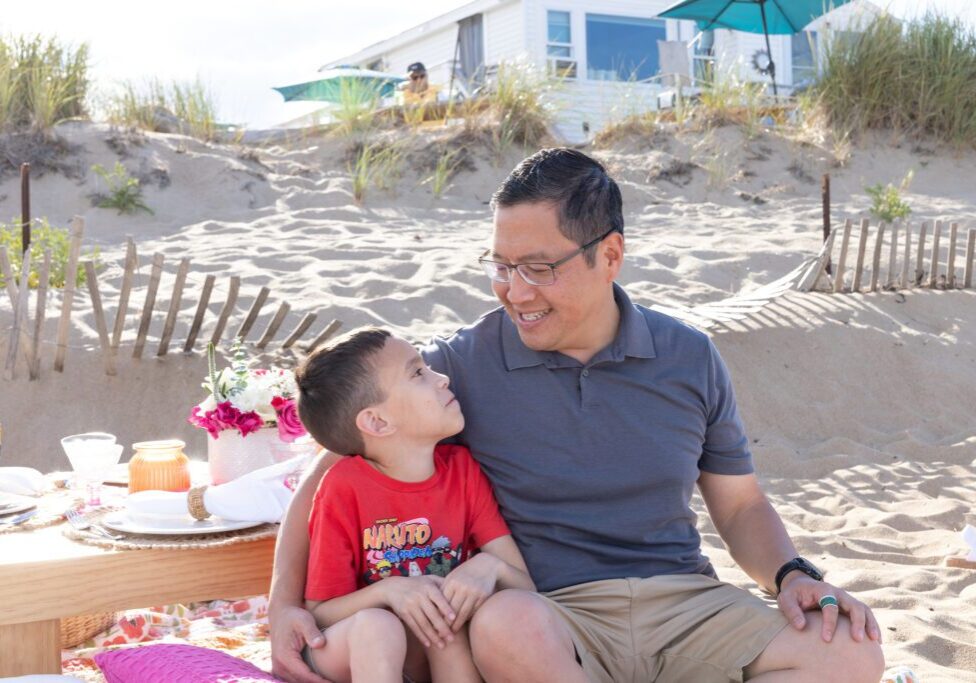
column 45, row 576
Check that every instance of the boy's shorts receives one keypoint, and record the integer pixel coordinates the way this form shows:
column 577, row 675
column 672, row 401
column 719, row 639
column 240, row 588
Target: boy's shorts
column 676, row 628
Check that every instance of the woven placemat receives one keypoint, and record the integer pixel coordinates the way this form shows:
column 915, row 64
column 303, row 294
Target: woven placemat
column 157, row 542
column 50, row 510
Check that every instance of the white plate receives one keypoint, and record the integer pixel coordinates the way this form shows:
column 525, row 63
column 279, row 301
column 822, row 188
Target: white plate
column 172, row 526
column 11, row 504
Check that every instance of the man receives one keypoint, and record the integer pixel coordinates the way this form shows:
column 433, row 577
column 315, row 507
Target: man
column 417, row 75
column 594, row 419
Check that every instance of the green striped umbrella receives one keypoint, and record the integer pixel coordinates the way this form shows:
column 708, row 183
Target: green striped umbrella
column 334, row 85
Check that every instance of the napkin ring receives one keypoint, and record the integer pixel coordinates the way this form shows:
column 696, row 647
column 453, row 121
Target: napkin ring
column 194, row 503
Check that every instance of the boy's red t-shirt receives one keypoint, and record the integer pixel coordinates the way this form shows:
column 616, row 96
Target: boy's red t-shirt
column 365, row 526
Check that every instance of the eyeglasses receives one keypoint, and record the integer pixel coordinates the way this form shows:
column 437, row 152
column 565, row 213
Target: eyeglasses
column 538, row 274
column 417, row 77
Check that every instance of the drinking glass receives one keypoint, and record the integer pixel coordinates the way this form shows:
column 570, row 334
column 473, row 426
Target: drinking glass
column 282, row 451
column 92, row 455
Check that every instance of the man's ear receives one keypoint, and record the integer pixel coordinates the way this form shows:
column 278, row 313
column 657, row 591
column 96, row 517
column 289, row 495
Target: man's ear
column 371, row 421
column 612, row 254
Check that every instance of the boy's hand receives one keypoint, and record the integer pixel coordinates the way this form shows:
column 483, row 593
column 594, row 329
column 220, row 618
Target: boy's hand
column 470, row 584
column 421, row 605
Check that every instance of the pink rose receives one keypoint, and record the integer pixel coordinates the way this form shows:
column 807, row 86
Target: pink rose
column 249, row 422
column 289, row 425
column 203, row 420
column 226, row 415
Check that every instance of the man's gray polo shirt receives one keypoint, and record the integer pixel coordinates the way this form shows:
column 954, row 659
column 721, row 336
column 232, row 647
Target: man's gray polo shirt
column 594, row 465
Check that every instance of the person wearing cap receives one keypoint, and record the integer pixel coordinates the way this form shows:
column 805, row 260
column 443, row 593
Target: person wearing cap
column 418, row 83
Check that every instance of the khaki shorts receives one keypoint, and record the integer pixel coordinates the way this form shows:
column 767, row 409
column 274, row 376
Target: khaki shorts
column 686, row 628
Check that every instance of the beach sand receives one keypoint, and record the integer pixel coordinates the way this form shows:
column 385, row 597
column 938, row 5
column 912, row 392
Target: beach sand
column 859, row 407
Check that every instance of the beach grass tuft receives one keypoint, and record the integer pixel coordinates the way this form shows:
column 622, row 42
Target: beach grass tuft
column 519, row 103
column 187, row 108
column 447, row 165
column 356, row 113
column 918, row 77
column 42, row 83
column 378, row 165
column 43, row 236
column 124, row 191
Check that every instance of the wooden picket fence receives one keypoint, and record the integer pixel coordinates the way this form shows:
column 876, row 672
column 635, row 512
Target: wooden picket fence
column 899, row 258
column 26, row 337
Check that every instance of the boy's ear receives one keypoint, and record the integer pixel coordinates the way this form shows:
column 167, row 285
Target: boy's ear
column 371, row 421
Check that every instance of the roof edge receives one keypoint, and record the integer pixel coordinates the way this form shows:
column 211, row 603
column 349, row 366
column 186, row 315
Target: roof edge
column 417, row 32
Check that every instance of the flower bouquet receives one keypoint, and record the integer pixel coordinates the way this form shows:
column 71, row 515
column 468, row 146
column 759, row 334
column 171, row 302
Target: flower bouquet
column 249, row 413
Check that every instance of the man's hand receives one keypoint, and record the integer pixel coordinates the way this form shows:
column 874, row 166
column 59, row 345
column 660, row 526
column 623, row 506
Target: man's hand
column 291, row 628
column 469, row 585
column 800, row 593
column 421, row 605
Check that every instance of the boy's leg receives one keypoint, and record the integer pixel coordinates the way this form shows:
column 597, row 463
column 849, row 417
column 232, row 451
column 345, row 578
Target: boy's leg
column 453, row 663
column 368, row 646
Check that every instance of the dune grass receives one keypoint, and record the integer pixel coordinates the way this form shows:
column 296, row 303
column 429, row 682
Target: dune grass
column 42, row 82
column 918, row 77
column 356, row 113
column 887, row 203
column 43, row 236
column 153, row 106
column 378, row 165
column 124, row 192
column 519, row 104
column 448, row 162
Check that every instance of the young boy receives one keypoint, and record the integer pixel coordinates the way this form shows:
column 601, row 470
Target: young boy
column 391, row 571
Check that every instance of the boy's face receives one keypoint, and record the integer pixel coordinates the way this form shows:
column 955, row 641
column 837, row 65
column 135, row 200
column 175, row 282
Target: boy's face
column 418, row 402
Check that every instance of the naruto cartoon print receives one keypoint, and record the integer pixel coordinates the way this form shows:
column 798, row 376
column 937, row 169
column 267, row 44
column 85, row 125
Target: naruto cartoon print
column 395, row 548
column 442, row 558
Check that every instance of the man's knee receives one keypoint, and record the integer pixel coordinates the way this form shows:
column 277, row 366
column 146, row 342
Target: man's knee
column 865, row 661
column 494, row 627
column 493, row 620
column 843, row 660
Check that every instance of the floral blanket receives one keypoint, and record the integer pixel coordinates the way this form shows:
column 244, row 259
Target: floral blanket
column 237, row 627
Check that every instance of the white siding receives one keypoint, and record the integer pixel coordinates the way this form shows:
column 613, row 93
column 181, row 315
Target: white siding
column 435, row 50
column 504, row 33
column 514, row 29
column 586, row 106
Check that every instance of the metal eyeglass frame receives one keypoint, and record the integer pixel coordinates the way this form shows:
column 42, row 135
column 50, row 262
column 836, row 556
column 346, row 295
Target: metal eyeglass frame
column 492, row 268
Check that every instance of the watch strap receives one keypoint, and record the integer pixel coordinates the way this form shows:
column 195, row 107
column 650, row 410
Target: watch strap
column 797, row 563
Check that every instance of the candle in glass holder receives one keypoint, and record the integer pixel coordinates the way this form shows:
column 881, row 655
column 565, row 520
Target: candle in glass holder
column 159, row 466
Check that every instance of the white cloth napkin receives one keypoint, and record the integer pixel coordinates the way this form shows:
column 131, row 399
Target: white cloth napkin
column 969, row 536
column 22, row 481
column 259, row 496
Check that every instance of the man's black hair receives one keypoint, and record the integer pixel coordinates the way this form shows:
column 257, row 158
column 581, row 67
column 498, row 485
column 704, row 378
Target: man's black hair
column 586, row 197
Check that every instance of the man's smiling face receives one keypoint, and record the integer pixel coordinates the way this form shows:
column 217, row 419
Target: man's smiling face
column 567, row 315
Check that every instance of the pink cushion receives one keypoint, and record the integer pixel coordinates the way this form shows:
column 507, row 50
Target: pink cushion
column 165, row 663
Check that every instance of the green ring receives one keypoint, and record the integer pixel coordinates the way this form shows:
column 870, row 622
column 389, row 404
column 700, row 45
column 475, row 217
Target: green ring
column 828, row 600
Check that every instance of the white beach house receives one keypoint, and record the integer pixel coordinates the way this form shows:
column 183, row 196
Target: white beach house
column 615, row 56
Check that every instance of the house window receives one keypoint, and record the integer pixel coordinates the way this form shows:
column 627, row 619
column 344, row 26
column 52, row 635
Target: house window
column 622, row 48
column 804, row 53
column 559, row 45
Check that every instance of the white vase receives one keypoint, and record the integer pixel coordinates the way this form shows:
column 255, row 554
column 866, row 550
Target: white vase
column 230, row 455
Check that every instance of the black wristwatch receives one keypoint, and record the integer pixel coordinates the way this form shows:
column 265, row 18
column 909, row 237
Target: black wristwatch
column 800, row 564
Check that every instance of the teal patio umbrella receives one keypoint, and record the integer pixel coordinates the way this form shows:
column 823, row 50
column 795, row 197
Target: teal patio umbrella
column 753, row 16
column 331, row 85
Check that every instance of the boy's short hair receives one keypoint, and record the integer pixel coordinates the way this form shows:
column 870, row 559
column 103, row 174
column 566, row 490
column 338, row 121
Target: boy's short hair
column 335, row 383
